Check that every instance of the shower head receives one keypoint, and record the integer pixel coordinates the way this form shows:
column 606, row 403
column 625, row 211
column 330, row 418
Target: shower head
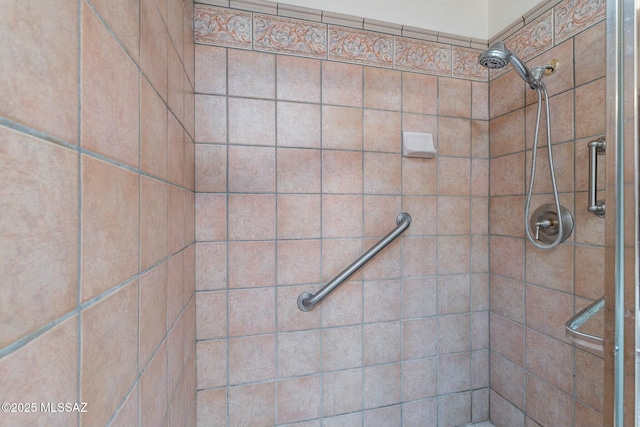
column 498, row 56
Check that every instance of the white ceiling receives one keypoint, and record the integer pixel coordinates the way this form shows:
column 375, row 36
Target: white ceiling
column 479, row 19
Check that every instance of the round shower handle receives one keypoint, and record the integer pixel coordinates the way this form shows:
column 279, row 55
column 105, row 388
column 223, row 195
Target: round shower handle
column 545, row 221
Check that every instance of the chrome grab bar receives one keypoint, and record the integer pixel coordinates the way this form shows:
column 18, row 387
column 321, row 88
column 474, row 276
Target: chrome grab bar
column 572, row 325
column 596, row 207
column 306, row 300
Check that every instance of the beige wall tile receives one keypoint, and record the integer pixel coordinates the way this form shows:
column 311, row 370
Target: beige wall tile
column 548, row 310
column 547, row 404
column 252, row 121
column 110, row 92
column 251, row 169
column 342, row 84
column 39, row 231
column 381, row 343
column 382, row 131
column 153, row 312
column 260, row 255
column 254, row 217
column 298, row 79
column 341, row 128
column 507, row 339
column 341, row 392
column 298, row 261
column 211, row 119
column 590, row 54
column 252, row 358
column 210, row 69
column 153, row 46
column 590, row 105
column 454, row 137
column 382, row 301
column 419, row 93
column 455, row 97
column 382, row 385
column 110, row 235
column 382, row 89
column 506, row 94
column 211, row 310
column 299, row 399
column 542, row 348
column 109, row 352
column 44, row 370
column 251, row 311
column 299, row 353
column 40, row 74
column 298, row 125
column 251, row 74
column 153, row 229
column 153, row 132
column 153, row 389
column 508, row 381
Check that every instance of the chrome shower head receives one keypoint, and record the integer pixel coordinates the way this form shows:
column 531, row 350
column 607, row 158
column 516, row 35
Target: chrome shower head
column 498, row 56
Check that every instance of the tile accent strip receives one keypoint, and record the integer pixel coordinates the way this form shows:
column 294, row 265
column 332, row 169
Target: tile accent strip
column 553, row 27
column 336, row 38
column 423, row 56
column 363, row 47
column 575, row 15
column 465, row 64
column 283, row 35
column 221, row 26
column 534, row 38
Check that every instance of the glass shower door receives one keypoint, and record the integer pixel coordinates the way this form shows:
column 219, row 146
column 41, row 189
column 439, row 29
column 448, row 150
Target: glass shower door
column 621, row 224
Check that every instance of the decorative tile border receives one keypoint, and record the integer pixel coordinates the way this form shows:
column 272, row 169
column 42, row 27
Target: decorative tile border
column 325, row 36
column 363, row 47
column 465, row 64
column 283, row 35
column 575, row 15
column 553, row 27
column 222, row 26
column 424, row 57
column 533, row 39
column 233, row 28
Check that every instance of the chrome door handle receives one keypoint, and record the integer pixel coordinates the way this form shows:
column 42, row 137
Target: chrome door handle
column 596, row 207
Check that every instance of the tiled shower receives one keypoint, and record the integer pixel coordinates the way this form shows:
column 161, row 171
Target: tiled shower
column 172, row 269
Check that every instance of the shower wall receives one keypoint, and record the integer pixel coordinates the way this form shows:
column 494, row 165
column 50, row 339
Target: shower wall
column 537, row 376
column 97, row 202
column 298, row 171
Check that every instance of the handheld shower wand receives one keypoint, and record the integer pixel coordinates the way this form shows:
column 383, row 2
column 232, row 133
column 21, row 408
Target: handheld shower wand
column 498, row 56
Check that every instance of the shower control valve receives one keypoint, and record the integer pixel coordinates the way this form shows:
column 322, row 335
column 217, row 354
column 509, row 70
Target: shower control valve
column 546, row 223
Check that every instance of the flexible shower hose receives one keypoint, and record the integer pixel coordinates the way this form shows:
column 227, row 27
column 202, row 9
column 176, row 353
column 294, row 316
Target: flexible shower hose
column 541, row 89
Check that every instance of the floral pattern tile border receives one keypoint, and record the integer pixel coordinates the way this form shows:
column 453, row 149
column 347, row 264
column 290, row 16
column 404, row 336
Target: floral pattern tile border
column 533, row 39
column 268, row 33
column 423, row 56
column 553, row 27
column 222, row 26
column 573, row 16
column 283, row 35
column 364, row 47
column 465, row 64
column 242, row 29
